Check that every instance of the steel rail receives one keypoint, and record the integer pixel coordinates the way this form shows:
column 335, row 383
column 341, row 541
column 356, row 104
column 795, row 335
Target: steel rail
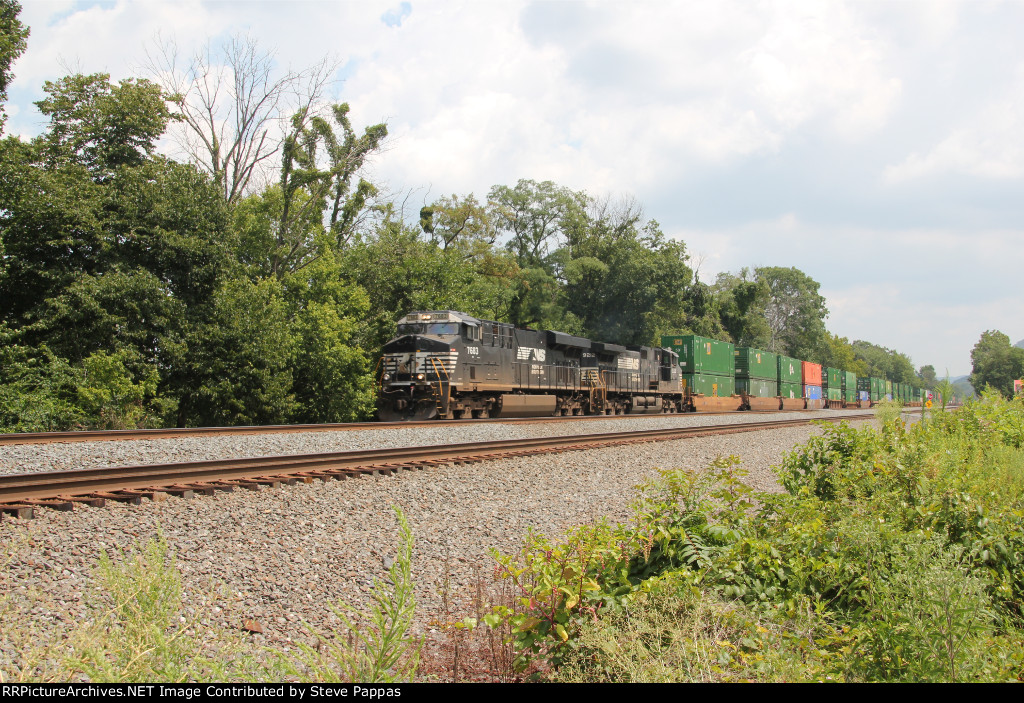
column 21, row 488
column 178, row 432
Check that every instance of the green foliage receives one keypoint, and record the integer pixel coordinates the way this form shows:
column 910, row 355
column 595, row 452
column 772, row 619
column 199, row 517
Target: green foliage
column 681, row 520
column 331, row 374
column 673, row 632
column 240, row 365
column 38, row 389
column 897, row 555
column 884, row 363
column 624, row 279
column 13, row 42
column 41, row 391
column 840, row 354
column 794, row 310
column 140, row 635
column 109, row 392
column 996, row 363
column 742, row 300
column 102, row 126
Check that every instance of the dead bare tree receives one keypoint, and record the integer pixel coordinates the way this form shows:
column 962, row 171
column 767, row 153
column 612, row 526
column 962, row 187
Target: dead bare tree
column 233, row 104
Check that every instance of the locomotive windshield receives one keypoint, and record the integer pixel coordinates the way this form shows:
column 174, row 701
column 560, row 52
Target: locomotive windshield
column 429, row 328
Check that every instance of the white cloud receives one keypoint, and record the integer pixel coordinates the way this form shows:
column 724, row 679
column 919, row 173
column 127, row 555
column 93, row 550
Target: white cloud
column 988, row 143
column 820, row 60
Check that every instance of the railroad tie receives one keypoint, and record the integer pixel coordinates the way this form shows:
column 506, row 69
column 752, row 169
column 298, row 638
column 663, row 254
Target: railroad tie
column 185, row 492
column 18, row 510
column 205, row 489
column 119, row 496
column 85, row 500
column 154, row 494
column 62, row 505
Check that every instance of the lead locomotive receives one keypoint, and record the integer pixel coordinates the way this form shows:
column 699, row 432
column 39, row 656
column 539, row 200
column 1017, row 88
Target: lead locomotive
column 449, row 365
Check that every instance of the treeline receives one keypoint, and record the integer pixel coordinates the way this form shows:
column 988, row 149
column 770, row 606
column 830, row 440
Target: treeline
column 139, row 290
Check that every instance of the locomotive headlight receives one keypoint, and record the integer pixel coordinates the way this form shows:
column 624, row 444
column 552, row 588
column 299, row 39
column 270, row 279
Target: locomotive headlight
column 386, row 377
column 420, row 377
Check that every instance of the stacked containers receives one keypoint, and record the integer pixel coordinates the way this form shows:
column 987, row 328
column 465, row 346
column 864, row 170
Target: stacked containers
column 832, row 380
column 850, row 386
column 877, row 388
column 756, row 372
column 888, row 390
column 863, row 388
column 789, row 375
column 811, row 377
column 706, row 364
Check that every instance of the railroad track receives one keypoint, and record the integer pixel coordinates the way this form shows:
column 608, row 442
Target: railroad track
column 22, row 494
column 176, row 432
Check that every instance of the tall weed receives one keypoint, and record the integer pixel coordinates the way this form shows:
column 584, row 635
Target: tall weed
column 378, row 646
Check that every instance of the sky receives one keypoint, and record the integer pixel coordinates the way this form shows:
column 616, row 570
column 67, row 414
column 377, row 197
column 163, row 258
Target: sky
column 876, row 146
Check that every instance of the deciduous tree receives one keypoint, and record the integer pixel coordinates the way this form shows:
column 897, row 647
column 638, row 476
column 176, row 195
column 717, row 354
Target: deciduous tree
column 794, row 310
column 13, row 41
column 995, row 363
column 234, row 103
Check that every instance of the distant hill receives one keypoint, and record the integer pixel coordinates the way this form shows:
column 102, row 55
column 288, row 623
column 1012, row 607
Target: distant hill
column 963, row 386
column 1020, row 344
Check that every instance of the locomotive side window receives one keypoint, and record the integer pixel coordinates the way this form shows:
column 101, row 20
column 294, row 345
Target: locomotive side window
column 471, row 333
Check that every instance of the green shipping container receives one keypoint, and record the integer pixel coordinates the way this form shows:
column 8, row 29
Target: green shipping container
column 849, row 386
column 832, row 378
column 754, row 363
column 888, row 388
column 874, row 386
column 757, row 387
column 701, row 355
column 834, row 393
column 709, row 385
column 790, row 372
column 791, row 390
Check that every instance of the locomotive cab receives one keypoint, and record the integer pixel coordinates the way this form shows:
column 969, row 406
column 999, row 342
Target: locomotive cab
column 419, row 366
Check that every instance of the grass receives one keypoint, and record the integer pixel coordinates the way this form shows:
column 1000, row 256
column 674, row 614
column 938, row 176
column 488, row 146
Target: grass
column 137, row 632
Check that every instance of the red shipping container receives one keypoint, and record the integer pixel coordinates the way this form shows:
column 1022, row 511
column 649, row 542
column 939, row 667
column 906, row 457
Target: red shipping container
column 811, row 373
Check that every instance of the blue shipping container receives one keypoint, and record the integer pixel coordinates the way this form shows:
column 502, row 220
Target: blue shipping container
column 813, row 392
column 863, row 395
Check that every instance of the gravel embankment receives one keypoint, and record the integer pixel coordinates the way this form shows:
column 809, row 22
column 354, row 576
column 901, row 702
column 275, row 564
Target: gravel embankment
column 282, row 556
column 25, row 458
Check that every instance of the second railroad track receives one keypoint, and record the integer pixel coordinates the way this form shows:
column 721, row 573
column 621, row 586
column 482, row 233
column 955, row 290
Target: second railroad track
column 21, row 494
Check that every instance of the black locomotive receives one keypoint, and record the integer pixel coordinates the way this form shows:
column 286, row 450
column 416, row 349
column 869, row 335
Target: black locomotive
column 448, row 365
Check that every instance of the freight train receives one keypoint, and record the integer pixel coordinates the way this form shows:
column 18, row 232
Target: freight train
column 450, row 365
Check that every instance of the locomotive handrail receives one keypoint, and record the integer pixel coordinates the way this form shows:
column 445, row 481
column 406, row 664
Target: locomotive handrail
column 443, row 389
